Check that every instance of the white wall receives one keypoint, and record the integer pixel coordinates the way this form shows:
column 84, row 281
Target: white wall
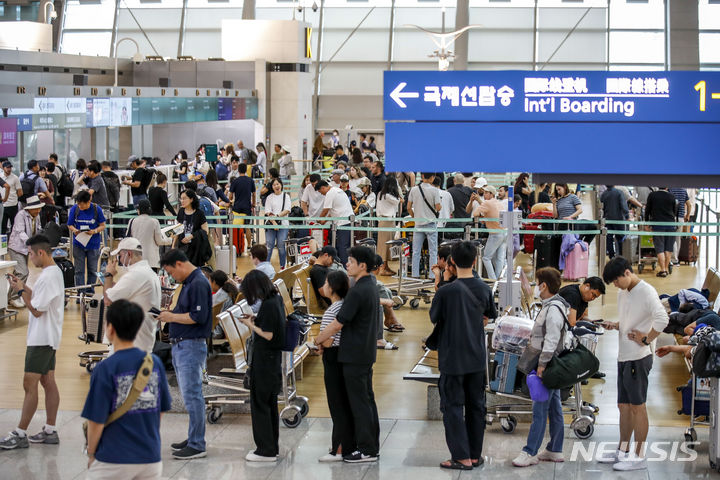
column 169, row 139
column 279, row 41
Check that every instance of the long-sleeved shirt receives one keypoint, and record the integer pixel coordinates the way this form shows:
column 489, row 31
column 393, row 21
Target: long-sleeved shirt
column 639, row 309
column 547, row 333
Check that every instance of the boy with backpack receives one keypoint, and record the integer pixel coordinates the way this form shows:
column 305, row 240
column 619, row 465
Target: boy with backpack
column 31, row 183
column 128, row 393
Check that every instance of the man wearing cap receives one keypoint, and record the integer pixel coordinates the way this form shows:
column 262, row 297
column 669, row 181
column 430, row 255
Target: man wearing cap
column 139, row 284
column 10, row 205
column 337, row 205
column 320, row 269
column 476, row 197
column 287, row 167
column 494, row 253
column 336, row 178
column 26, row 224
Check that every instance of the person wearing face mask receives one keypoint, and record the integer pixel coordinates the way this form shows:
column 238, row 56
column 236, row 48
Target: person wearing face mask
column 546, row 338
column 138, row 283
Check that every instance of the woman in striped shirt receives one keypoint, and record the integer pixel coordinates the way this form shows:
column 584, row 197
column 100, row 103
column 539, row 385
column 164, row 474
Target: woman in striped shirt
column 343, row 433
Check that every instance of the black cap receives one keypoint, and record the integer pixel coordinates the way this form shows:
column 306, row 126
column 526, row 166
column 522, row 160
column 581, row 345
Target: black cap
column 330, row 250
column 7, row 163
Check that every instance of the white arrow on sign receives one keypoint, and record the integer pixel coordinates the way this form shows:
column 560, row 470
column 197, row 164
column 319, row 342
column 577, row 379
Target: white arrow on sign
column 398, row 94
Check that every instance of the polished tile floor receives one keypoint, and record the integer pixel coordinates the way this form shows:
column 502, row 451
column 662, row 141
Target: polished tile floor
column 409, row 449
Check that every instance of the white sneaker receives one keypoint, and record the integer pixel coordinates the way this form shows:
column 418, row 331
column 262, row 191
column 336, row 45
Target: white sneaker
column 548, row 456
column 525, row 460
column 612, row 457
column 630, row 463
column 251, row 457
column 17, row 302
column 330, row 458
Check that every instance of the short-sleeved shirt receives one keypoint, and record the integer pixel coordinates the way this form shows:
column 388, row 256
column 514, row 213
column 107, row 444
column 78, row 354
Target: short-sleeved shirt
column 142, row 286
column 14, row 183
column 270, row 318
column 614, row 204
column 242, row 188
column 327, row 319
column 682, row 197
column 267, row 268
column 566, row 205
column 314, row 199
column 40, row 185
column 133, row 438
column 97, row 185
column 571, row 294
column 49, row 300
column 419, row 206
column 661, row 207
column 138, row 176
column 461, row 196
column 192, row 222
column 88, row 219
column 339, row 204
column 461, row 347
column 318, row 275
column 195, row 299
column 359, row 317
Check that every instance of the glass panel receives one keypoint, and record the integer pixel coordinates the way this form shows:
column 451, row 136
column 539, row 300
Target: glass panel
column 162, row 27
column 709, row 47
column 360, row 79
column 500, row 46
column 499, row 17
column 203, row 44
column 430, row 18
column 637, row 47
column 100, row 143
column 708, row 15
column 87, row 43
column 579, row 47
column 364, row 45
column 636, row 68
column 624, row 14
column 349, row 17
column 89, row 15
column 113, row 154
column 566, row 18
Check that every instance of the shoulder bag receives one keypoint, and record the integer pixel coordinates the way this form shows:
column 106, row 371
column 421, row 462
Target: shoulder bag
column 432, row 209
column 139, row 383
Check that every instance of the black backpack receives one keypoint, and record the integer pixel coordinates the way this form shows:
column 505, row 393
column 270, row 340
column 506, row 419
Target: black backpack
column 65, row 186
column 28, row 185
column 112, row 186
column 252, row 157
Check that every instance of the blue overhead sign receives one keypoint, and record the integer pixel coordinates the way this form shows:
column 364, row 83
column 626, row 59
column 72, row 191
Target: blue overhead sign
column 525, row 120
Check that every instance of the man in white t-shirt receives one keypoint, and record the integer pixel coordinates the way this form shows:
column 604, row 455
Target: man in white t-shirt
column 138, row 284
column 424, row 206
column 11, row 203
column 46, row 307
column 312, row 203
column 642, row 318
column 447, row 205
column 337, row 204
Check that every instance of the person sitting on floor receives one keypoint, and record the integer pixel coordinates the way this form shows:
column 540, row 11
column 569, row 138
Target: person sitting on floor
column 323, row 262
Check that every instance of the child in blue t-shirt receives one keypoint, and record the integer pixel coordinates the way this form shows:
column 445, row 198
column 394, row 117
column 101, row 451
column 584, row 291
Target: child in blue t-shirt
column 129, row 447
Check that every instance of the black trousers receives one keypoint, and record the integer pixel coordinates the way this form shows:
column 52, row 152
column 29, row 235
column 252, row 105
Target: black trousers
column 8, row 216
column 463, row 434
column 358, row 385
column 342, row 244
column 343, row 431
column 264, row 410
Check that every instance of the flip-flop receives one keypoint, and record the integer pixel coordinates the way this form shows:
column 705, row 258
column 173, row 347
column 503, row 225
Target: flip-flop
column 388, row 346
column 455, row 465
column 395, row 328
column 478, row 462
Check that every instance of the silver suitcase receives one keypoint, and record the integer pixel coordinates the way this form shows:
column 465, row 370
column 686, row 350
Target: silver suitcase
column 226, row 259
column 92, row 316
column 714, row 444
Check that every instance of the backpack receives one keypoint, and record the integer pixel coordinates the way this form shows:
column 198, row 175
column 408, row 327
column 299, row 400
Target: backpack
column 28, row 185
column 255, row 172
column 206, row 206
column 221, row 170
column 252, row 157
column 112, row 186
column 65, row 186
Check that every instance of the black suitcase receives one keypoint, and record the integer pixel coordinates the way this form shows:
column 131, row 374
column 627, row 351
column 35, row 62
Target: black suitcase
column 547, row 251
column 68, row 270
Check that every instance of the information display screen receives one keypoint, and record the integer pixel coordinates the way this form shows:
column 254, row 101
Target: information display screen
column 553, row 122
column 8, row 137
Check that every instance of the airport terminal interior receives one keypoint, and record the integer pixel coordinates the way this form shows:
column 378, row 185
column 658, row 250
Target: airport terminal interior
column 556, row 141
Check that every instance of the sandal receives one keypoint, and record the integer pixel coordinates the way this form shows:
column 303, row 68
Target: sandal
column 388, row 346
column 455, row 465
column 395, row 328
column 478, row 462
column 662, row 274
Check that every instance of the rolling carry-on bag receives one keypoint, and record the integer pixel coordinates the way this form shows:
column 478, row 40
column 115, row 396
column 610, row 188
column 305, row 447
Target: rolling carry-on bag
column 576, row 263
column 702, row 401
column 226, row 259
column 68, row 271
column 505, row 372
column 630, row 249
column 688, row 251
column 547, row 250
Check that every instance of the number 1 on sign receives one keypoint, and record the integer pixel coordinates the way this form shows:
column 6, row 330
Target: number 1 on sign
column 701, row 87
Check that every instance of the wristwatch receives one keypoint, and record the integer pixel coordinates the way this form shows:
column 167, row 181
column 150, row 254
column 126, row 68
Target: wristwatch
column 644, row 340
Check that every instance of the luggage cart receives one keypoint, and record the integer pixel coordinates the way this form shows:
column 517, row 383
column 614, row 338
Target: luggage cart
column 695, row 420
column 646, row 254
column 367, row 242
column 408, row 287
column 583, row 421
column 298, row 250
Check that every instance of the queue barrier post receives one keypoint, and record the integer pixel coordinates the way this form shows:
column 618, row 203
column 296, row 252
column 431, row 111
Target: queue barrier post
column 602, row 248
column 352, row 231
column 333, row 230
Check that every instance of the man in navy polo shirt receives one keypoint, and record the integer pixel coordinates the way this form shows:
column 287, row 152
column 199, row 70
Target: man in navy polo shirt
column 190, row 326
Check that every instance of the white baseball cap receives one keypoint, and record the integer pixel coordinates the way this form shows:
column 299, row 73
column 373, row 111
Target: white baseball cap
column 128, row 243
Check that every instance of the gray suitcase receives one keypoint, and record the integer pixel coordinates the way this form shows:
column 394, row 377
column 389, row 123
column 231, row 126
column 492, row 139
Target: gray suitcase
column 630, row 249
column 226, row 259
column 714, row 444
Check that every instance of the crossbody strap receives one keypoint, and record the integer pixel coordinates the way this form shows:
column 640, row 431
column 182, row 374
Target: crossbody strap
column 469, row 293
column 139, row 383
column 432, row 209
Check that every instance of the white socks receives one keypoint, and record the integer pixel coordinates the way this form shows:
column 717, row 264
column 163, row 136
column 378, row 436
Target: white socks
column 20, row 432
column 49, row 429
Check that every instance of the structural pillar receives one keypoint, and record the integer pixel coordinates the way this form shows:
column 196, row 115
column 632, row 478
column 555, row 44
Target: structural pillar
column 462, row 19
column 682, row 46
column 248, row 11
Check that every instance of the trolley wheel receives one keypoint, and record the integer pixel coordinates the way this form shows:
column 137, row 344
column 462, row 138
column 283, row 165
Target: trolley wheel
column 404, row 299
column 508, row 424
column 585, row 433
column 414, row 303
column 691, row 437
column 303, row 406
column 214, row 415
column 654, row 265
column 641, row 267
column 713, row 465
column 293, row 421
column 670, row 267
column 90, row 367
column 588, row 412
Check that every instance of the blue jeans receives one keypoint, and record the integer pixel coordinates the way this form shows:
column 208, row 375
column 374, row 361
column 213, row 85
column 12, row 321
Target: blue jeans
column 614, row 244
column 188, row 358
column 276, row 238
column 418, row 239
column 541, row 410
column 494, row 254
column 137, row 198
column 85, row 259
